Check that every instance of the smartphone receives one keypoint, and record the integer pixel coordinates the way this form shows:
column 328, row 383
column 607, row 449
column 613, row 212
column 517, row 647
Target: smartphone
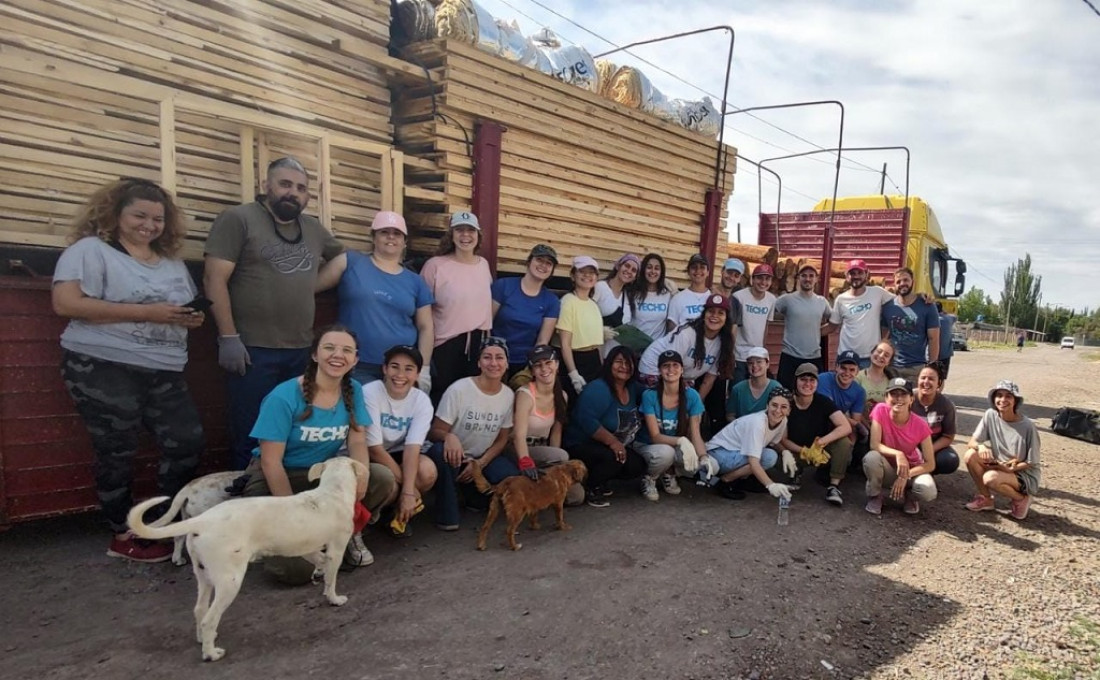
column 199, row 304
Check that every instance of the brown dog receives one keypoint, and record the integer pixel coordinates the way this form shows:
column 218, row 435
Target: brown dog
column 521, row 498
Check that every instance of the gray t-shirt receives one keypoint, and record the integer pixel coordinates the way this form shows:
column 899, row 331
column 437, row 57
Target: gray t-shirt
column 803, row 316
column 1012, row 441
column 106, row 273
column 271, row 289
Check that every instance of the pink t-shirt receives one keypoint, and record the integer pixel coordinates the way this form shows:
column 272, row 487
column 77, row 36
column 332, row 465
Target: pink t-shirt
column 905, row 437
column 463, row 299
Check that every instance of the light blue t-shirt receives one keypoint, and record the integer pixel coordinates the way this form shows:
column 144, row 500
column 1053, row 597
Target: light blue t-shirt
column 667, row 419
column 520, row 316
column 741, row 402
column 379, row 307
column 849, row 401
column 309, row 441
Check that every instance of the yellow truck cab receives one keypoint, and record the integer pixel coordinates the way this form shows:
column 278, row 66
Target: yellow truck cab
column 927, row 253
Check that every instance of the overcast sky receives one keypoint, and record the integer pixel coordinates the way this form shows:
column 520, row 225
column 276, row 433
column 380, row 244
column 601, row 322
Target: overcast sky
column 998, row 100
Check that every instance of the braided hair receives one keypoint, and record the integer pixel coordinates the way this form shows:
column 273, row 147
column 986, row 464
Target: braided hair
column 309, row 377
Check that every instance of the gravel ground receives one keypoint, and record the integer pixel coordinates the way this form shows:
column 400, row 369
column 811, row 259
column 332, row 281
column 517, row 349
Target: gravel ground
column 692, row 587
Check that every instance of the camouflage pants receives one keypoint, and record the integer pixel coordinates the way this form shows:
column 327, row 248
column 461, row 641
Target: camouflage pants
column 115, row 400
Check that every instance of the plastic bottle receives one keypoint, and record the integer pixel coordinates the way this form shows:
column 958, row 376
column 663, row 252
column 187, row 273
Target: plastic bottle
column 784, row 517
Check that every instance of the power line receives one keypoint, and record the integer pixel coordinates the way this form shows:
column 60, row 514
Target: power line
column 1092, row 7
column 691, row 85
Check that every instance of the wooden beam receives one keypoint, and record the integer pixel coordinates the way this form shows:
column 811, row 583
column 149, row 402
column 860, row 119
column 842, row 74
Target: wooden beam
column 324, row 184
column 248, row 164
column 168, row 146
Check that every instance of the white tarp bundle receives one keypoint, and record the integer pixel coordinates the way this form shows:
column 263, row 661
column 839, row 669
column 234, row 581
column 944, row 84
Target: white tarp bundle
column 468, row 22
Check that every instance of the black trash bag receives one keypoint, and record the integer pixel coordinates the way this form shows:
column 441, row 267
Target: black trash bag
column 1077, row 423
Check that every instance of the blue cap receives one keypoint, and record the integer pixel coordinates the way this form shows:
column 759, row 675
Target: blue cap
column 734, row 264
column 847, row 357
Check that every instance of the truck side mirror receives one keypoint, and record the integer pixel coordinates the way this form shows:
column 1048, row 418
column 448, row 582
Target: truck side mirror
column 960, row 280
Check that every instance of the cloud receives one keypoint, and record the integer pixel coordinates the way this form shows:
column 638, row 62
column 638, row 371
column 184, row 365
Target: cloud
column 998, row 102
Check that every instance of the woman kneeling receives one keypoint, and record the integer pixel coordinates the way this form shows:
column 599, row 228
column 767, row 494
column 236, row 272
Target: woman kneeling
column 901, row 453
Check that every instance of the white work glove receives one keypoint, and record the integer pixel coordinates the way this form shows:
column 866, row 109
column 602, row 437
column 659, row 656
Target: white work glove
column 577, row 380
column 609, row 334
column 780, row 491
column 232, row 355
column 789, row 464
column 424, row 382
column 690, row 457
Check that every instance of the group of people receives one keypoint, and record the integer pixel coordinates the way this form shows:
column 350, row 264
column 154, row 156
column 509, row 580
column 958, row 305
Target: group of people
column 427, row 376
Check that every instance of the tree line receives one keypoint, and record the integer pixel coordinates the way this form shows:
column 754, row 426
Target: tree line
column 1021, row 306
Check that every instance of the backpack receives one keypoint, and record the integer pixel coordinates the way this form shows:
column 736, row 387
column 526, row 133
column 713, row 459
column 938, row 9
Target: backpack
column 1077, row 423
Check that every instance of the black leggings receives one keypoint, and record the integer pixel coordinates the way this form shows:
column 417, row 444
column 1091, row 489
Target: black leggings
column 603, row 466
column 454, row 360
column 589, row 365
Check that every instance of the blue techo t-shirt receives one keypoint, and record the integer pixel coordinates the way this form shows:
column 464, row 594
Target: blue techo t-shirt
column 379, row 307
column 667, row 419
column 849, row 401
column 309, row 441
column 520, row 316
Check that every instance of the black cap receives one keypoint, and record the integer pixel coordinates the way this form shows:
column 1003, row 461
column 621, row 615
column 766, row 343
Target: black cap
column 543, row 250
column 847, row 357
column 541, row 353
column 494, row 341
column 698, row 258
column 408, row 350
column 899, row 384
column 669, row 355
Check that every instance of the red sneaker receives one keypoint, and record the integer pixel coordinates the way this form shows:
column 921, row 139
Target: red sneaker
column 139, row 550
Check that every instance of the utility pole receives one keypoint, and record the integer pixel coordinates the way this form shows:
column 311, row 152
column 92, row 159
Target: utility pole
column 882, row 181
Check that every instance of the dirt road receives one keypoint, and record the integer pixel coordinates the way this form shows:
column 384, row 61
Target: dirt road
column 690, row 587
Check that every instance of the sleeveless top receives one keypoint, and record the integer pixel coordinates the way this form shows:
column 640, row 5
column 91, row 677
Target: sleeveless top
column 538, row 424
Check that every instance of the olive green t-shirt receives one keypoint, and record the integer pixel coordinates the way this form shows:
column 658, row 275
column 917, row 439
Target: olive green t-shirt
column 271, row 288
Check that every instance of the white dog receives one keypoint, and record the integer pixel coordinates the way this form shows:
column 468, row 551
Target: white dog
column 314, row 524
column 194, row 499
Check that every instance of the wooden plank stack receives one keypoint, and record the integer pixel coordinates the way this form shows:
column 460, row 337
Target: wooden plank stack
column 81, row 82
column 787, row 268
column 583, row 173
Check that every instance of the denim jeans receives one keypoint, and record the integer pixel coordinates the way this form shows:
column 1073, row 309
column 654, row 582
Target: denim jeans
column 269, row 367
column 446, row 491
column 728, row 461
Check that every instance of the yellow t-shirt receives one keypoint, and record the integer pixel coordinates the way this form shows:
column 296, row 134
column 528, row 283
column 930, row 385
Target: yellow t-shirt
column 581, row 318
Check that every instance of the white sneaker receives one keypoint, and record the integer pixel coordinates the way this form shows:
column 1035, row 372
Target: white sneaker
column 649, row 489
column 357, row 554
column 670, row 485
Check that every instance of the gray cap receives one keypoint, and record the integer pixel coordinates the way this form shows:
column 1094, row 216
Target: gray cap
column 805, row 369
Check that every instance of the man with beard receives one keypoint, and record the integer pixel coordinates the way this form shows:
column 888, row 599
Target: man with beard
column 913, row 325
column 804, row 313
column 857, row 312
column 261, row 265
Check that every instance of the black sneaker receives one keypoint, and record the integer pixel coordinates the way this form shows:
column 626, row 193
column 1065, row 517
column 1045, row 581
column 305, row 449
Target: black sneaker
column 832, row 494
column 726, row 490
column 596, row 498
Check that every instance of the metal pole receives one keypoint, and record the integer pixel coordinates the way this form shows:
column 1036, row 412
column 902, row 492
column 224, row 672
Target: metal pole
column 831, row 229
column 882, row 181
column 760, row 196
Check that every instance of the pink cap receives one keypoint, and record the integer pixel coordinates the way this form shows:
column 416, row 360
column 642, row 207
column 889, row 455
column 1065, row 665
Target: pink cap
column 763, row 270
column 387, row 219
column 582, row 261
column 856, row 264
